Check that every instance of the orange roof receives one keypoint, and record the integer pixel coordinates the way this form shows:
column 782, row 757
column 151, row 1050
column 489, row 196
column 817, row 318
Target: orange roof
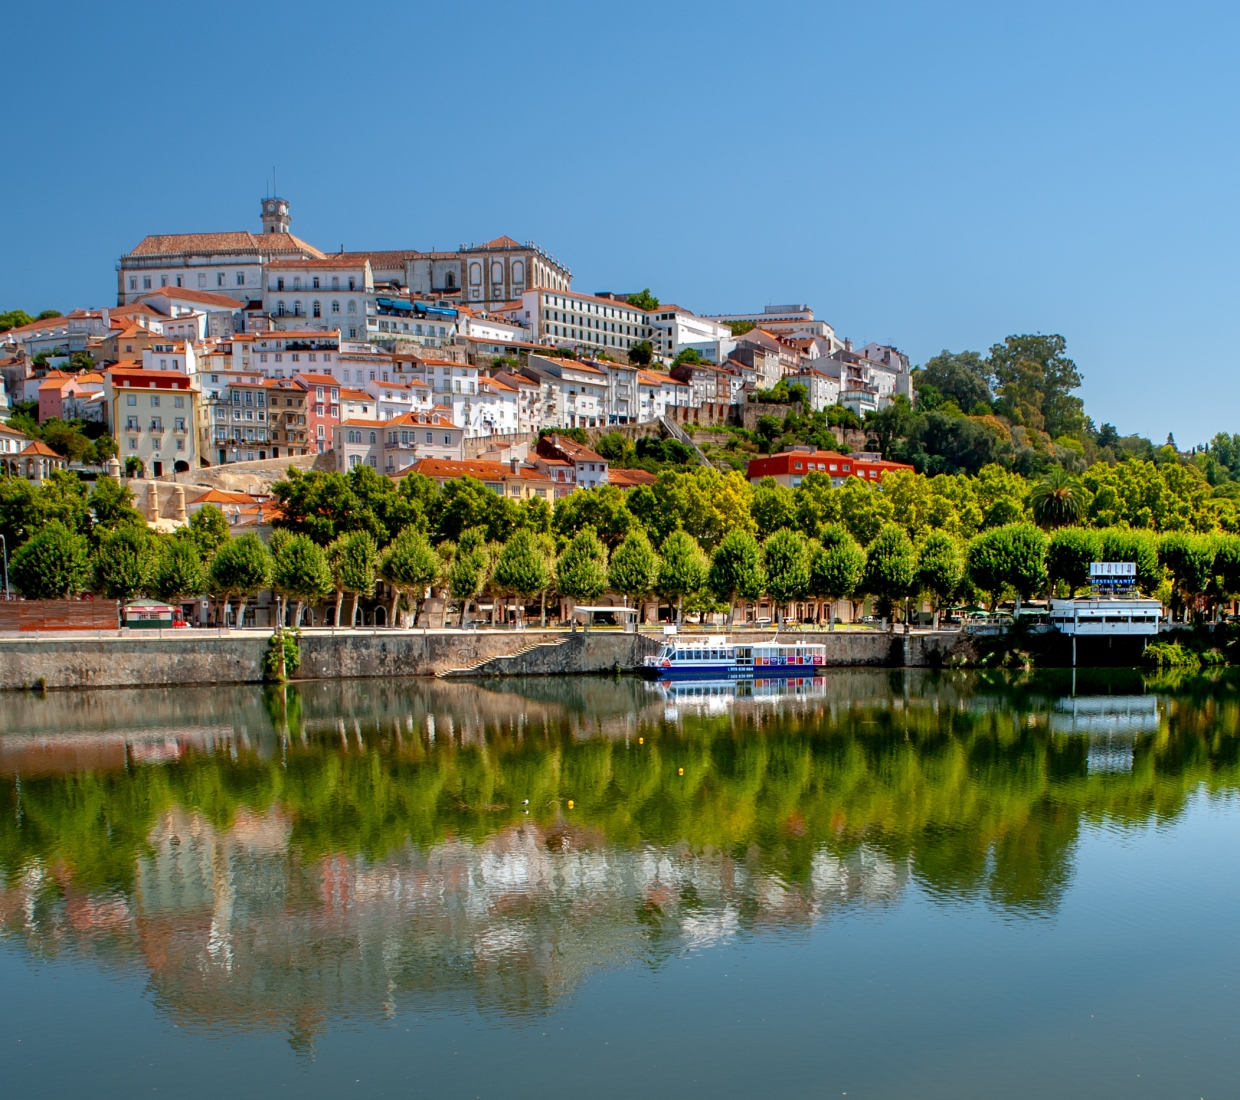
column 339, row 259
column 389, row 258
column 138, row 374
column 354, row 395
column 221, row 496
column 502, row 242
column 483, row 471
column 203, row 297
column 38, row 447
column 317, row 379
column 629, row 479
column 175, row 244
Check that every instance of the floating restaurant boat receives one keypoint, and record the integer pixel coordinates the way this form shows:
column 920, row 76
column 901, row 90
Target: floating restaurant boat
column 714, row 658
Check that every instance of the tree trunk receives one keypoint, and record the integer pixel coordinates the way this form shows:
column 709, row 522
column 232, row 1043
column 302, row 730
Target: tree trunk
column 464, row 609
column 680, row 610
column 935, row 625
column 908, row 613
column 542, row 608
column 395, row 606
column 831, row 615
column 297, row 610
column 731, row 614
column 241, row 611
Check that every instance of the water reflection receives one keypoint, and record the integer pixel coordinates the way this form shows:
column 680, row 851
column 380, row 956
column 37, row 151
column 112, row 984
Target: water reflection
column 279, row 858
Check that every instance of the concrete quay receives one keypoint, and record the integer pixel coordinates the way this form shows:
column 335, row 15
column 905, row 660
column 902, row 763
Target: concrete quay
column 172, row 657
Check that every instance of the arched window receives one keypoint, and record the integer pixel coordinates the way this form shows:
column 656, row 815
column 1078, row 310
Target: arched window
column 372, row 437
column 335, row 307
column 279, row 309
column 450, row 281
column 518, row 271
column 354, row 460
column 352, row 306
column 475, row 274
column 316, row 282
column 497, row 272
column 296, row 282
column 297, row 308
column 318, row 308
column 335, row 282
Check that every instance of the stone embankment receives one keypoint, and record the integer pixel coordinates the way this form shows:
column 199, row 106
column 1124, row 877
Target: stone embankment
column 133, row 659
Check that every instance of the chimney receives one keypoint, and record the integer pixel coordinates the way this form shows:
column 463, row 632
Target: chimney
column 514, row 462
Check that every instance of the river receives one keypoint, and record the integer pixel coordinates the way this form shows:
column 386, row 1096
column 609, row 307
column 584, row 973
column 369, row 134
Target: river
column 874, row 884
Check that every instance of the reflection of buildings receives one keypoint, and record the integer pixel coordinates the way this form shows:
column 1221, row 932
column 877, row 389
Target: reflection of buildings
column 103, row 750
column 237, row 932
column 1111, row 722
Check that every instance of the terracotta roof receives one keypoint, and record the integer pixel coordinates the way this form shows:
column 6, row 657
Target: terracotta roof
column 337, row 259
column 354, row 395
column 38, row 447
column 502, row 242
column 570, row 449
column 483, row 471
column 221, row 496
column 202, row 297
column 629, row 479
column 388, row 258
column 139, row 374
column 176, row 244
column 317, row 380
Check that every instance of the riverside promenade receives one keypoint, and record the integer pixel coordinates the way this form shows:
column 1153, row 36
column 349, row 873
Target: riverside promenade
column 136, row 658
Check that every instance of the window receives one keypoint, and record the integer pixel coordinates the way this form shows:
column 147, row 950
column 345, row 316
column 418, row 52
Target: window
column 354, row 460
column 280, row 309
column 131, row 424
column 146, row 283
column 133, row 284
column 279, row 284
column 316, row 283
column 297, row 309
column 154, row 401
column 447, row 440
column 352, row 304
column 372, row 437
column 178, row 402
column 335, row 307
column 157, row 425
column 219, row 279
column 179, row 280
column 179, row 424
column 202, row 280
column 317, row 307
column 131, row 399
column 241, row 278
column 296, row 282
column 335, row 282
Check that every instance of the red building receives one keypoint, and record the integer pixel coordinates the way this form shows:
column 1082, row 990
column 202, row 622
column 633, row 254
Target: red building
column 322, row 410
column 790, row 467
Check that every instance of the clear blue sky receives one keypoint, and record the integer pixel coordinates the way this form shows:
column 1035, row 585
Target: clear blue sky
column 932, row 176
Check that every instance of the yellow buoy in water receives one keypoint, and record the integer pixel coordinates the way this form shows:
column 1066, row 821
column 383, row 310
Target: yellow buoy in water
column 641, row 740
column 570, row 803
column 680, row 771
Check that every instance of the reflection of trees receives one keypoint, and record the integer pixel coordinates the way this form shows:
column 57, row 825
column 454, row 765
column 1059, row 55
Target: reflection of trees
column 345, row 847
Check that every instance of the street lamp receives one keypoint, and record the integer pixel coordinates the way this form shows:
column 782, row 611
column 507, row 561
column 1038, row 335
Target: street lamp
column 5, row 544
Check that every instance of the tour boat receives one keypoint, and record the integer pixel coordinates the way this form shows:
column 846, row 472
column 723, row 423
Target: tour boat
column 714, row 658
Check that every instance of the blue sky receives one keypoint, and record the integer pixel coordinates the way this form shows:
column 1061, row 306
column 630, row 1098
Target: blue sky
column 933, row 176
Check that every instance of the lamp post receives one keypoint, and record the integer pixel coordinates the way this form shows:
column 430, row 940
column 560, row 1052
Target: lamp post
column 5, row 544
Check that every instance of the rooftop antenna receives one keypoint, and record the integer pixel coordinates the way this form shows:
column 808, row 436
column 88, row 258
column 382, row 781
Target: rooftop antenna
column 274, row 186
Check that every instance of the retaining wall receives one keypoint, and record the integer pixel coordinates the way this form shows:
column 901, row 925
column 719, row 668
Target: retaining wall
column 202, row 657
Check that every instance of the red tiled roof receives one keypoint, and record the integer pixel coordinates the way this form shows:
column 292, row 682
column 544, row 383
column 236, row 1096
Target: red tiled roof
column 483, row 471
column 38, row 447
column 629, row 479
column 203, row 297
column 175, row 244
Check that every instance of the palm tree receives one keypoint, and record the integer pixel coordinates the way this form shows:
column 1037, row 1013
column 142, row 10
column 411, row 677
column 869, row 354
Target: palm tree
column 1058, row 499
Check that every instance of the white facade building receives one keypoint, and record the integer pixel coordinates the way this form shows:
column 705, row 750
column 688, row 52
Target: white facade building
column 569, row 320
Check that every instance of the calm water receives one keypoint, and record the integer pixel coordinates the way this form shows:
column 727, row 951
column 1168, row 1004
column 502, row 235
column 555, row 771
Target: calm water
column 878, row 885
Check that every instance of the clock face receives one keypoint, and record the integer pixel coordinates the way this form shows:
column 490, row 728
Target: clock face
column 270, row 207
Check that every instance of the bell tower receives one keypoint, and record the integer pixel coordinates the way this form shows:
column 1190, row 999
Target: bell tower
column 275, row 215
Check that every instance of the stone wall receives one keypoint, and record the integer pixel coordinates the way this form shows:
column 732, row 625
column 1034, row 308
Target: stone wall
column 203, row 657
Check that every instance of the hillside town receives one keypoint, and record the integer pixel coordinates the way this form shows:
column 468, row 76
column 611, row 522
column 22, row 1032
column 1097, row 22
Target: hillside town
column 243, row 347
